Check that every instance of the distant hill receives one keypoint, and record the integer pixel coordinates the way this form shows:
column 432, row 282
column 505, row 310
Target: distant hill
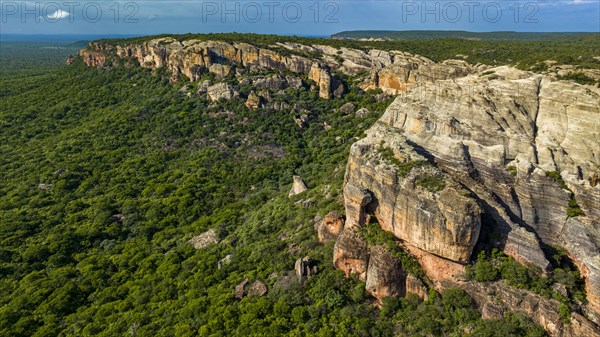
column 443, row 34
column 79, row 44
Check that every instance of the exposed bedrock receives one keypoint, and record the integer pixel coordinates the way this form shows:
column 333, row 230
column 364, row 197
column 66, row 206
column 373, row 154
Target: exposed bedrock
column 520, row 148
column 385, row 276
column 445, row 223
column 392, row 71
column 380, row 269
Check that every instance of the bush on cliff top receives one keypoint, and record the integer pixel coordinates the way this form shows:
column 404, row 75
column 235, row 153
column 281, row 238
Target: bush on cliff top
column 496, row 266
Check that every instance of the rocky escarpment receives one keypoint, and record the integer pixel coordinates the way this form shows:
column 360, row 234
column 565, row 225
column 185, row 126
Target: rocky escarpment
column 464, row 153
column 442, row 219
column 391, row 71
column 519, row 155
column 418, row 203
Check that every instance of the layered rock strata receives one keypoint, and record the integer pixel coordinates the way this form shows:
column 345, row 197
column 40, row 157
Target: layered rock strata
column 518, row 152
column 392, row 71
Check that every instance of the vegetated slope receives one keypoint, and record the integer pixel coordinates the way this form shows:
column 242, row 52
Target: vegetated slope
column 21, row 58
column 106, row 178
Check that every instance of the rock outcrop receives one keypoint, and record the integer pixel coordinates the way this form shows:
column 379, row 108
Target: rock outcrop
column 298, row 186
column 257, row 288
column 385, row 276
column 445, row 223
column 392, row 71
column 253, row 102
column 205, row 239
column 305, row 268
column 330, row 227
column 221, row 91
column 240, row 290
column 382, row 271
column 507, row 152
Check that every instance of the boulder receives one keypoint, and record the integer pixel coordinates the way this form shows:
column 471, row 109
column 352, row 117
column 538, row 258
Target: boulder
column 221, row 91
column 351, row 254
column 203, row 87
column 205, row 239
column 361, row 112
column 385, row 276
column 253, row 102
column 347, row 108
column 239, row 289
column 224, row 261
column 258, row 288
column 302, row 120
column 298, row 186
column 305, row 268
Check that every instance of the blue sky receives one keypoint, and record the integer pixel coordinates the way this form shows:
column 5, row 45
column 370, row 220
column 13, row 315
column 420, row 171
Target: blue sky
column 299, row 17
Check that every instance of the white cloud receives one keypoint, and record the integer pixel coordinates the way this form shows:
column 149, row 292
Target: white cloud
column 59, row 14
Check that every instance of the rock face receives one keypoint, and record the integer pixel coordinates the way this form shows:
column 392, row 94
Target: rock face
column 445, row 223
column 220, row 70
column 416, row 287
column 394, row 72
column 330, row 228
column 385, row 276
column 492, row 140
column 273, row 83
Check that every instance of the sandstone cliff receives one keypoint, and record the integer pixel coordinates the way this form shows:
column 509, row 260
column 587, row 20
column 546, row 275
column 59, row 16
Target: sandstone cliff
column 518, row 153
column 392, row 71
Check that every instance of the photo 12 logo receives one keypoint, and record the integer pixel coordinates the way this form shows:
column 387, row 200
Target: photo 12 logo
column 469, row 11
column 203, row 11
column 69, row 11
column 270, row 11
